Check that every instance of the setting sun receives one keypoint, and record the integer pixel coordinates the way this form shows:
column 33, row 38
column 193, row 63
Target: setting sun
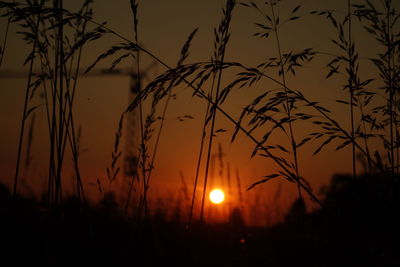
column 217, row 196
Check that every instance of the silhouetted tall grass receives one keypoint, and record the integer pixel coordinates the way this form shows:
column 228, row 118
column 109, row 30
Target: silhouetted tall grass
column 198, row 73
column 57, row 38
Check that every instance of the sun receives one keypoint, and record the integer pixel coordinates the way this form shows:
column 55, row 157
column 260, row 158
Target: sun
column 217, row 196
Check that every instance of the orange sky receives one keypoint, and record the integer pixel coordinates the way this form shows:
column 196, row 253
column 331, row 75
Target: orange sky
column 164, row 27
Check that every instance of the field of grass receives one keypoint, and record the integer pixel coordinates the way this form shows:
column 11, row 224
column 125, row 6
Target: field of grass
column 117, row 217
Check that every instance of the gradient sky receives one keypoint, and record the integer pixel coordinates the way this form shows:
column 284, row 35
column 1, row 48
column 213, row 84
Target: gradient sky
column 163, row 28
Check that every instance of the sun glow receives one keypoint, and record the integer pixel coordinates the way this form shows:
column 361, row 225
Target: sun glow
column 217, row 196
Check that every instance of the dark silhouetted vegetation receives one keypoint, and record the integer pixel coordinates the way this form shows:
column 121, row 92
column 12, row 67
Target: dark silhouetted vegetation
column 357, row 219
column 359, row 227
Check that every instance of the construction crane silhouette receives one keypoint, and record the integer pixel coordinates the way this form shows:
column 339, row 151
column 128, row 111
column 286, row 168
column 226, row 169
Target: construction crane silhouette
column 132, row 122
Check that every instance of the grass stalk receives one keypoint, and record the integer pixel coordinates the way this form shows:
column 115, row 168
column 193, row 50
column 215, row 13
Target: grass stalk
column 390, row 82
column 350, row 85
column 219, row 58
column 184, row 54
column 209, row 149
column 70, row 96
column 25, row 108
column 288, row 106
column 134, row 7
column 199, row 158
column 61, row 111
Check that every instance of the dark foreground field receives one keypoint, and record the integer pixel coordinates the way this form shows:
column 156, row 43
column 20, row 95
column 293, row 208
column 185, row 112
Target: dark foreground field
column 359, row 227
